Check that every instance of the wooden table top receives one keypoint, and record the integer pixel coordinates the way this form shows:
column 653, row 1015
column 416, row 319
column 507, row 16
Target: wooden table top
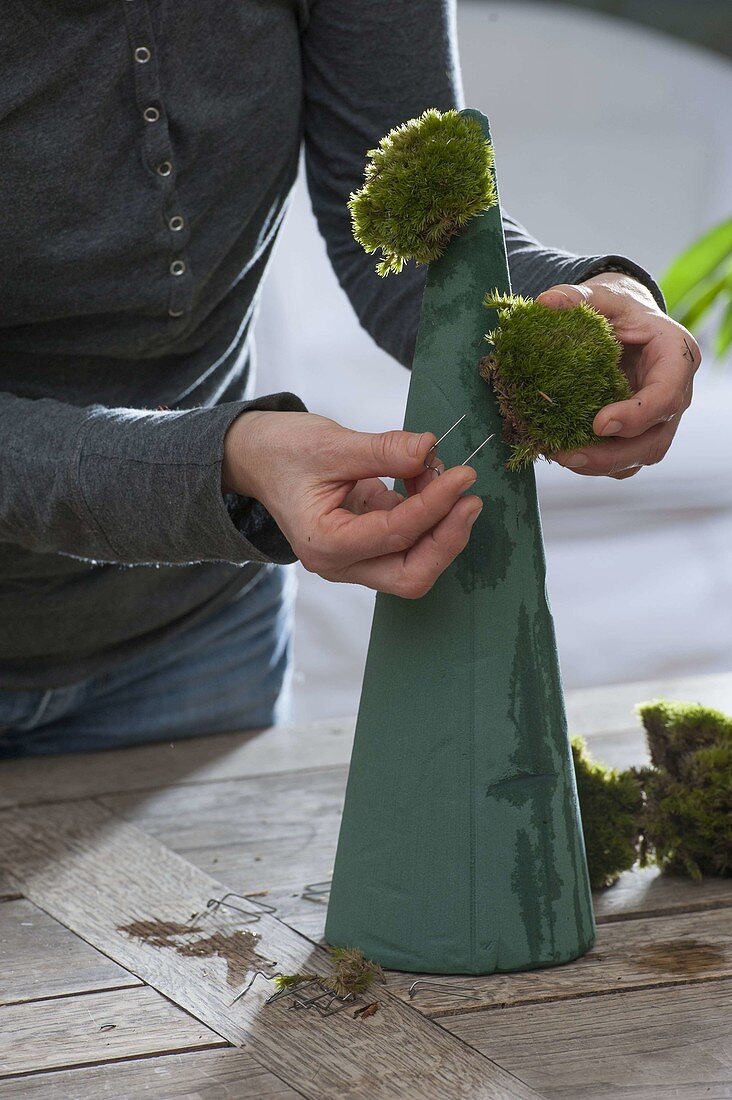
column 97, row 850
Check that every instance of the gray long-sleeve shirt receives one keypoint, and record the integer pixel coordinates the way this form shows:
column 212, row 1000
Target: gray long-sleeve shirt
column 147, row 149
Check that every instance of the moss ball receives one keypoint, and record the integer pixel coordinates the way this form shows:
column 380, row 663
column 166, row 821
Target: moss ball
column 688, row 815
column 552, row 371
column 425, row 180
column 611, row 804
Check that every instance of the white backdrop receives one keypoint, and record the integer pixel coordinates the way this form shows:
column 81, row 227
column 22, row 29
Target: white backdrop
column 609, row 138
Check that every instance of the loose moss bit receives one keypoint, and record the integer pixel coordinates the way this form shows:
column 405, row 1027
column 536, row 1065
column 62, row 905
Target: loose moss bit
column 427, row 178
column 353, row 972
column 552, row 371
column 289, row 981
column 688, row 817
column 611, row 804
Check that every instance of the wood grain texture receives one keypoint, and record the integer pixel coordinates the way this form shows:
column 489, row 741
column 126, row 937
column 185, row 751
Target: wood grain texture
column 40, row 958
column 204, row 1075
column 623, row 1046
column 636, row 954
column 191, row 761
column 134, row 900
column 279, row 833
column 96, row 1027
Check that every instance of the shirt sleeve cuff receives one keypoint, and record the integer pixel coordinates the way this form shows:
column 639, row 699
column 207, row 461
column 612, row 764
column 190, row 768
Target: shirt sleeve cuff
column 151, row 487
column 596, row 265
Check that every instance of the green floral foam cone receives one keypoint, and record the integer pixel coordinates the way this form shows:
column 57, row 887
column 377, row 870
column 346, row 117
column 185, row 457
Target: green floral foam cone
column 461, row 849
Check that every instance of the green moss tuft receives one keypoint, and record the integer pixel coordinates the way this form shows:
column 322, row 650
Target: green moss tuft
column 289, row 981
column 353, row 972
column 611, row 804
column 552, row 371
column 674, row 730
column 427, row 178
column 688, row 816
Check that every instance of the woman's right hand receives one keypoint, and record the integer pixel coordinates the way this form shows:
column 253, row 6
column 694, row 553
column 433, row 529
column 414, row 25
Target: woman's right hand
column 321, row 483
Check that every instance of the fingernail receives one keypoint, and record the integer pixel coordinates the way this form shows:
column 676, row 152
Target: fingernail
column 612, row 428
column 414, row 444
column 475, row 515
column 556, row 293
column 576, row 460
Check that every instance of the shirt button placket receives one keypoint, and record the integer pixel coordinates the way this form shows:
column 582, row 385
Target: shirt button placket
column 158, row 153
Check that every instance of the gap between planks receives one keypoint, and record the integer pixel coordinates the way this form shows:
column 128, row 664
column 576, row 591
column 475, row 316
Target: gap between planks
column 224, row 1071
column 99, row 1027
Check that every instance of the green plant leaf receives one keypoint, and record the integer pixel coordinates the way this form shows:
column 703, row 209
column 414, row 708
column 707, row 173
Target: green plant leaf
column 723, row 340
column 696, row 306
column 697, row 263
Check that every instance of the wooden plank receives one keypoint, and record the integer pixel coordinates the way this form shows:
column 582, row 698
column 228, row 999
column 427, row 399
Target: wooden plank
column 40, row 958
column 611, row 707
column 187, row 762
column 135, row 900
column 205, row 1075
column 95, row 1027
column 279, row 833
column 268, row 832
column 647, row 893
column 657, row 1043
column 667, row 951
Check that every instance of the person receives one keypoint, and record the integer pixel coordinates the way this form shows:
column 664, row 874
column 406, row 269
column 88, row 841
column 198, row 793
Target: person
column 148, row 499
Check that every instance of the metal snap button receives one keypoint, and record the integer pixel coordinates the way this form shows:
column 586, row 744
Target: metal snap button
column 151, row 114
column 165, row 168
column 177, row 267
column 176, row 223
column 142, row 55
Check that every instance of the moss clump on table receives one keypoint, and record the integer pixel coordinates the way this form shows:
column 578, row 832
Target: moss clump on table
column 552, row 371
column 425, row 180
column 688, row 813
column 611, row 804
column 676, row 813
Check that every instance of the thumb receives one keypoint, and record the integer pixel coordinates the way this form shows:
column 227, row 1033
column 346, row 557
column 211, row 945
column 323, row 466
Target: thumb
column 566, row 295
column 616, row 296
column 381, row 454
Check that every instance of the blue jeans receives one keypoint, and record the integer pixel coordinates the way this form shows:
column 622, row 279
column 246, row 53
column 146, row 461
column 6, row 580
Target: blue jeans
column 229, row 672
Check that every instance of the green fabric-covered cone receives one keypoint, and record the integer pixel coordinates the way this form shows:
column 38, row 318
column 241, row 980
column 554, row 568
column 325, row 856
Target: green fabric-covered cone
column 461, row 848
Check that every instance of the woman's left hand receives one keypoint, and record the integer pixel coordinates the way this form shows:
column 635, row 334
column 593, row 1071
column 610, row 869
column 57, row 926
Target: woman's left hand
column 660, row 359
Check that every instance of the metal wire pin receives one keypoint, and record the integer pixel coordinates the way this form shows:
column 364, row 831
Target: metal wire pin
column 214, row 903
column 436, row 445
column 479, row 448
column 316, row 891
column 250, row 983
column 436, row 985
